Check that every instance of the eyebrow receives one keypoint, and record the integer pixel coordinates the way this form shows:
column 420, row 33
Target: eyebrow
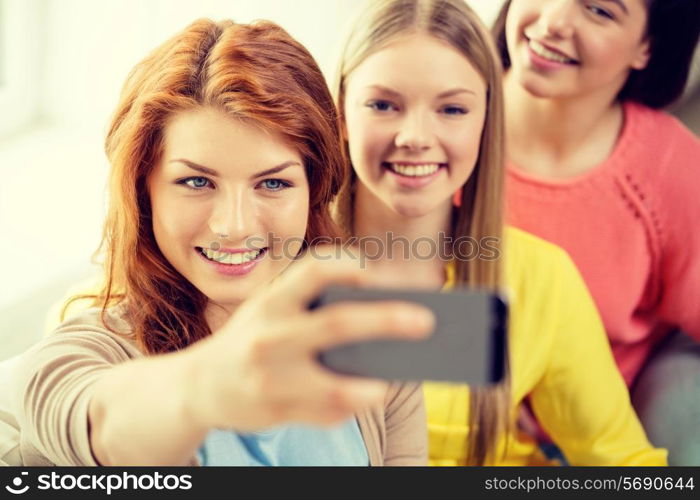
column 214, row 173
column 447, row 93
column 277, row 169
column 620, row 4
column 451, row 92
column 385, row 89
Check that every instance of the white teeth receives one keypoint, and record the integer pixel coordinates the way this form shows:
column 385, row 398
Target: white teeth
column 543, row 51
column 415, row 170
column 231, row 258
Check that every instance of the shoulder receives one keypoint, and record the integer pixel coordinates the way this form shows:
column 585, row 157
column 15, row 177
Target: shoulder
column 661, row 168
column 59, row 372
column 92, row 326
column 655, row 121
column 87, row 339
column 114, row 320
column 653, row 139
column 542, row 281
column 528, row 255
column 553, row 317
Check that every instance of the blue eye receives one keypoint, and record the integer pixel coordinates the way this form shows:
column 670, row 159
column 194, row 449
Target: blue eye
column 380, row 105
column 275, row 184
column 195, row 182
column 454, row 110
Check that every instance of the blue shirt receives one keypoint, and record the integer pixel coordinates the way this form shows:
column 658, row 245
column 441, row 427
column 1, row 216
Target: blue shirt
column 292, row 444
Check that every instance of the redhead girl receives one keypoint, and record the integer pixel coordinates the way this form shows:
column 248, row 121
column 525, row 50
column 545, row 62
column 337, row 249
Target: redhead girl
column 420, row 95
column 596, row 167
column 225, row 154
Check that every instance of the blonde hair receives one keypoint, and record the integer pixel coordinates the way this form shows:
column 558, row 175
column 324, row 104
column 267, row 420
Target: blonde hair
column 480, row 214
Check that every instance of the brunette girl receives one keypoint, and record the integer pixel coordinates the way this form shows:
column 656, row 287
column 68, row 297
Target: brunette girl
column 596, row 167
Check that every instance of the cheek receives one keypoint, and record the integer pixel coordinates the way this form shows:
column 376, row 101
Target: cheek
column 287, row 216
column 464, row 145
column 367, row 139
column 177, row 222
column 369, row 149
column 511, row 31
column 285, row 221
column 364, row 144
column 519, row 17
column 610, row 54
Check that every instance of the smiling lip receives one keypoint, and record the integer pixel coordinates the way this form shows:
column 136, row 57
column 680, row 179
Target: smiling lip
column 555, row 50
column 542, row 62
column 413, row 182
column 235, row 250
column 409, row 163
column 233, row 269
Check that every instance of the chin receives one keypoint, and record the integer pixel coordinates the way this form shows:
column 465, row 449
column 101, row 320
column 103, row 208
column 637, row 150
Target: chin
column 537, row 91
column 536, row 88
column 413, row 209
column 540, row 86
column 227, row 292
column 227, row 299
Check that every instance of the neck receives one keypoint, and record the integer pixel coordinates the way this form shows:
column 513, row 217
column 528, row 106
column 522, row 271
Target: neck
column 216, row 315
column 412, row 246
column 569, row 135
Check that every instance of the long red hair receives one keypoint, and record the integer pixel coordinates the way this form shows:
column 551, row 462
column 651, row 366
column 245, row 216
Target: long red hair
column 255, row 72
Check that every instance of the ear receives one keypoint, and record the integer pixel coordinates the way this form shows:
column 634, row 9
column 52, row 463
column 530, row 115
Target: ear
column 643, row 55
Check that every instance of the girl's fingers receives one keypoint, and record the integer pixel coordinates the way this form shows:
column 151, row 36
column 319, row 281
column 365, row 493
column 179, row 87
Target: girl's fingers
column 302, row 336
column 307, row 278
column 348, row 322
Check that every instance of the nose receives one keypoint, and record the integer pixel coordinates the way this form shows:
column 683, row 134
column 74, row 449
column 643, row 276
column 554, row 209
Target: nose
column 233, row 217
column 415, row 132
column 558, row 18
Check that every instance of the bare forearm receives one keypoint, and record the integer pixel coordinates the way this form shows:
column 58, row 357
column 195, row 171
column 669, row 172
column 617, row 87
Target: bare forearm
column 140, row 413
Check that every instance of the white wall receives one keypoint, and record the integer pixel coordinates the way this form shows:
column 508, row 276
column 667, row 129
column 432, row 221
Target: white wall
column 91, row 45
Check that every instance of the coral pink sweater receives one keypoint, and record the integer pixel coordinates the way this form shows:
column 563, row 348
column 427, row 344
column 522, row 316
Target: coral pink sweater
column 632, row 226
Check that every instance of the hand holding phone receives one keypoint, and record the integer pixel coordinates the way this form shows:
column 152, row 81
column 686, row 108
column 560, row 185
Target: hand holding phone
column 467, row 346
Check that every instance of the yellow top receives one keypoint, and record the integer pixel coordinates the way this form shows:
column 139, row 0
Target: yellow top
column 560, row 357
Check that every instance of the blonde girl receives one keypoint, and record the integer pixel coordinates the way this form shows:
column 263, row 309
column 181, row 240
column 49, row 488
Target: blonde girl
column 419, row 92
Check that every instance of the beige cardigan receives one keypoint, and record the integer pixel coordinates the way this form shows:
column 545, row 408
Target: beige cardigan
column 52, row 385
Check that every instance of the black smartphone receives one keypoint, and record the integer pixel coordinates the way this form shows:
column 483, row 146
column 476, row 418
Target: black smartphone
column 467, row 346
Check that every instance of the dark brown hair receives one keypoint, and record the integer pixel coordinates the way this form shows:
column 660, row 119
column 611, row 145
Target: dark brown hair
column 673, row 28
